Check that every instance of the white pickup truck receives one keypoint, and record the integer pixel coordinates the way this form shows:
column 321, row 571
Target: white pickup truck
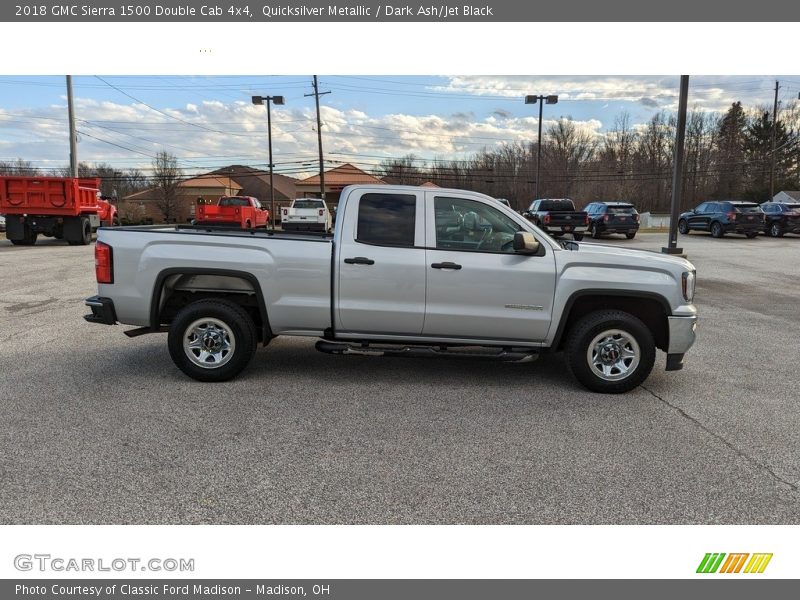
column 306, row 214
column 408, row 271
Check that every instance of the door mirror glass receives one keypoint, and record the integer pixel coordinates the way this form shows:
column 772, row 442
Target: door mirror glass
column 525, row 243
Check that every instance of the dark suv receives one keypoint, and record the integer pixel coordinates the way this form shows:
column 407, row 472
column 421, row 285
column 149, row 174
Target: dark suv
column 724, row 216
column 612, row 217
column 781, row 218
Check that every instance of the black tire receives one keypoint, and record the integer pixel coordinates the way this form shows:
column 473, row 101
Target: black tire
column 716, row 229
column 630, row 235
column 577, row 237
column 751, row 234
column 584, row 333
column 248, row 225
column 775, row 230
column 234, row 320
column 683, row 227
column 28, row 237
column 595, row 233
column 85, row 234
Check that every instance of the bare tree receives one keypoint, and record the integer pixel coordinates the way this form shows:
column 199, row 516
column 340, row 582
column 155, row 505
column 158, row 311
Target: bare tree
column 18, row 167
column 167, row 175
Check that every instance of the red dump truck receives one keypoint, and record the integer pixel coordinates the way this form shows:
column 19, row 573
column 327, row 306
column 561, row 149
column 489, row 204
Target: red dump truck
column 244, row 212
column 60, row 207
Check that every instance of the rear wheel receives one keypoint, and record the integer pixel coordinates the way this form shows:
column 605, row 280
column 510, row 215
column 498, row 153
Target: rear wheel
column 751, row 234
column 577, row 237
column 630, row 235
column 79, row 233
column 212, row 340
column 610, row 351
column 683, row 227
column 716, row 230
column 775, row 230
column 28, row 237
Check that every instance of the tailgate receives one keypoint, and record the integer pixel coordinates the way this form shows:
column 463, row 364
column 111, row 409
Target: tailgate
column 574, row 219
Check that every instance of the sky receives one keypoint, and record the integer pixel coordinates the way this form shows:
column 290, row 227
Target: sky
column 209, row 121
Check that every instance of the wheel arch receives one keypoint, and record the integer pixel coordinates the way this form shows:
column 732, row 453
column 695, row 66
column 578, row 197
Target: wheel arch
column 200, row 283
column 649, row 307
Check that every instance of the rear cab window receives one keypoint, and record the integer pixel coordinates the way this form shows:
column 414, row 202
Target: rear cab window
column 308, row 203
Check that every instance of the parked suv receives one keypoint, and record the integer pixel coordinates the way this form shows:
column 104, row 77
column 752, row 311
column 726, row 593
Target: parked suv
column 721, row 217
column 781, row 218
column 612, row 217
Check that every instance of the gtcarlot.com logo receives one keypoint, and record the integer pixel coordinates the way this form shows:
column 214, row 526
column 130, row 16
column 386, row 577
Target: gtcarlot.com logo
column 46, row 562
column 734, row 563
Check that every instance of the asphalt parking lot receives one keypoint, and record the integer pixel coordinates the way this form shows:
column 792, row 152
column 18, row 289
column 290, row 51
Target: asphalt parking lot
column 99, row 428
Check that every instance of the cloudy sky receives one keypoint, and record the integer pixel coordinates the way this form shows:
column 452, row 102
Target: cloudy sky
column 209, row 122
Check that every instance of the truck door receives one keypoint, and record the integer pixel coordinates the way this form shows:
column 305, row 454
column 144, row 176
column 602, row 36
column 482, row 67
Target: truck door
column 477, row 287
column 381, row 263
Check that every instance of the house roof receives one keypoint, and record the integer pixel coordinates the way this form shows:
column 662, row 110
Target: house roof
column 210, row 180
column 345, row 174
column 194, row 183
column 255, row 182
column 429, row 184
column 792, row 195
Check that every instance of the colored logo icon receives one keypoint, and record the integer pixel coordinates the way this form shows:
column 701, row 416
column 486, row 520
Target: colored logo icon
column 719, row 562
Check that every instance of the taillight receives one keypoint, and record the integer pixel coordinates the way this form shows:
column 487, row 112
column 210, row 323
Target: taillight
column 103, row 263
column 321, row 212
column 586, row 219
column 731, row 216
column 636, row 217
column 546, row 219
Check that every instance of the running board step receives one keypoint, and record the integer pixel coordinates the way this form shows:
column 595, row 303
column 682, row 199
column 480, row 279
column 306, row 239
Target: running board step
column 505, row 354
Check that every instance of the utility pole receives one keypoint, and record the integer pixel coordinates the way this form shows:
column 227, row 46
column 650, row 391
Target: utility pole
column 316, row 95
column 542, row 100
column 774, row 131
column 677, row 170
column 73, row 138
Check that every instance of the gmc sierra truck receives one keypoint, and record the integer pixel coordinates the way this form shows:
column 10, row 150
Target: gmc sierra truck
column 408, row 271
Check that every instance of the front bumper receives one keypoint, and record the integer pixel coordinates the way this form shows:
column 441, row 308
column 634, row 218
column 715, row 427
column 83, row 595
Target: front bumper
column 681, row 333
column 102, row 310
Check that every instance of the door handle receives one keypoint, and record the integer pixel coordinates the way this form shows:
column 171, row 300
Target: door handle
column 446, row 265
column 359, row 260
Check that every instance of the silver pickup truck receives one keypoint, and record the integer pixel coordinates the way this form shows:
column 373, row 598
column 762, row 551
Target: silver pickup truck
column 409, row 271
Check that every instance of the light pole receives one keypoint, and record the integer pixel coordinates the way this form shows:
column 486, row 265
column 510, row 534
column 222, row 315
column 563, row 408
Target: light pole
column 278, row 100
column 542, row 100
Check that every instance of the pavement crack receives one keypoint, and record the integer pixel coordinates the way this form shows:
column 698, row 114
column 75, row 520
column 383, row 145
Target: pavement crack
column 795, row 487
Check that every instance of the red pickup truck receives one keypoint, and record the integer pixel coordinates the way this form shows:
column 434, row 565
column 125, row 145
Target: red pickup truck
column 244, row 212
column 61, row 207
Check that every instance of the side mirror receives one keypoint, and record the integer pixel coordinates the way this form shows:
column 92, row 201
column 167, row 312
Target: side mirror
column 525, row 243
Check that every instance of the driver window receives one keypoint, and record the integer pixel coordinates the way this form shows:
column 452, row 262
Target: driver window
column 469, row 225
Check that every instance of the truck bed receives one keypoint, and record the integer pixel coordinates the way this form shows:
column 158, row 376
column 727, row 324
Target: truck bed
column 295, row 281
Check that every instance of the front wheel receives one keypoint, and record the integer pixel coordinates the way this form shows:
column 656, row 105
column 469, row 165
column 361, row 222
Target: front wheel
column 577, row 237
column 683, row 227
column 212, row 340
column 595, row 232
column 775, row 230
column 610, row 351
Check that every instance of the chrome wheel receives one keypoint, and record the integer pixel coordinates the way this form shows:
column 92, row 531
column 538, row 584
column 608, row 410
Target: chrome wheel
column 613, row 355
column 209, row 343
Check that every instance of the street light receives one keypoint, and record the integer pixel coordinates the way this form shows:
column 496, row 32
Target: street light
column 278, row 100
column 542, row 100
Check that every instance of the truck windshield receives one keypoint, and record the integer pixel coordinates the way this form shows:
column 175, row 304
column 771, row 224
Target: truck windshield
column 307, row 204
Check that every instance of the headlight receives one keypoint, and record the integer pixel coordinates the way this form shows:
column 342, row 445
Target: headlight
column 687, row 284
